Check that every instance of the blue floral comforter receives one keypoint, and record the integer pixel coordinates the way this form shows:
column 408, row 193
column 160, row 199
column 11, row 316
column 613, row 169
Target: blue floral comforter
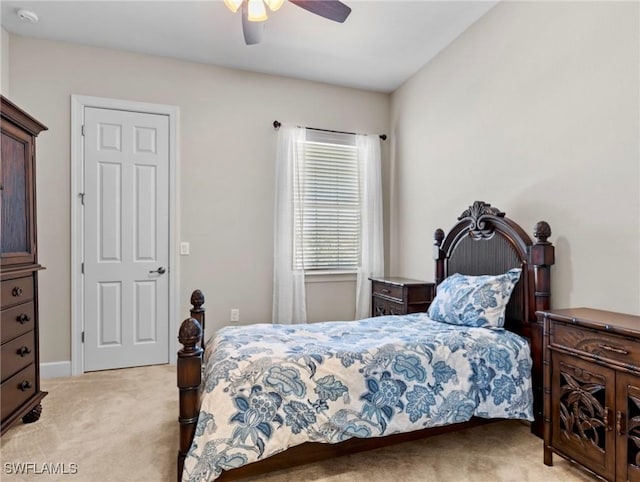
column 268, row 387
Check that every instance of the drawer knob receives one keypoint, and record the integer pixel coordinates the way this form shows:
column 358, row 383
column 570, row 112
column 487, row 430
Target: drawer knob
column 385, row 290
column 23, row 318
column 24, row 351
column 25, row 385
column 17, row 291
column 619, row 351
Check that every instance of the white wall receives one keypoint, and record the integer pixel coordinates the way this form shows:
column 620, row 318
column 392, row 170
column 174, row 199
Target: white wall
column 227, row 169
column 534, row 109
column 5, row 39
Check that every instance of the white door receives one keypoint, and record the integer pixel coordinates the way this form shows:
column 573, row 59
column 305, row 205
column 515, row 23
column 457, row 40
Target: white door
column 126, row 239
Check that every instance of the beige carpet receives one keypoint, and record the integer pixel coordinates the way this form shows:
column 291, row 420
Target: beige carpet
column 121, row 425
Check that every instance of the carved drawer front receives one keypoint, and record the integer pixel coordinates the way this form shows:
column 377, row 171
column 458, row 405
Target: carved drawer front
column 583, row 413
column 17, row 321
column 602, row 345
column 395, row 308
column 628, row 427
column 382, row 307
column 17, row 390
column 16, row 291
column 387, row 290
column 17, row 354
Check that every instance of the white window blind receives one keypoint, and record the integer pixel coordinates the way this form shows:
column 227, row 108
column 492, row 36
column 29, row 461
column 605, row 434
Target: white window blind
column 327, row 208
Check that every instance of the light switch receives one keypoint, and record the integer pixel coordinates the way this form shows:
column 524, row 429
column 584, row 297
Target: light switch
column 184, row 248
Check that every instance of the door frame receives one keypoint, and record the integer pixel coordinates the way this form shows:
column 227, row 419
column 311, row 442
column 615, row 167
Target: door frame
column 78, row 105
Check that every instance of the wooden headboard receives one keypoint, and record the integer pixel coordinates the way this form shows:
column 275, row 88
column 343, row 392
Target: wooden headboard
column 485, row 241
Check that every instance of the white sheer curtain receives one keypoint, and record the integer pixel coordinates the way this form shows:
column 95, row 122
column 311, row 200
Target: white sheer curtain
column 289, row 300
column 371, row 235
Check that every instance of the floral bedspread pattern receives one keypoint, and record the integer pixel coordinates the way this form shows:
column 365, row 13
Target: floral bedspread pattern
column 268, row 387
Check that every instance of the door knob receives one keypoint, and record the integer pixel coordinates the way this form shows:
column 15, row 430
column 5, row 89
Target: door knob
column 160, row 270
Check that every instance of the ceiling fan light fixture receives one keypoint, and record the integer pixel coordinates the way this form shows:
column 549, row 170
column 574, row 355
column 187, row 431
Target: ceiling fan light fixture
column 274, row 4
column 256, row 11
column 233, row 5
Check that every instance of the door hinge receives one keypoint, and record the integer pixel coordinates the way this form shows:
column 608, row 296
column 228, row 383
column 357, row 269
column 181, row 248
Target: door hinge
column 82, row 268
column 83, row 337
column 82, row 129
column 81, row 197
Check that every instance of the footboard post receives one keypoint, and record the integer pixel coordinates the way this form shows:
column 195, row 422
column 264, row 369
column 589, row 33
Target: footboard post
column 197, row 312
column 189, row 378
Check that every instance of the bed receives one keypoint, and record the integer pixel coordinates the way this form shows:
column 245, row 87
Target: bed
column 264, row 397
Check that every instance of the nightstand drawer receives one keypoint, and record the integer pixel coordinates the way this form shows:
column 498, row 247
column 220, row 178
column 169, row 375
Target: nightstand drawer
column 387, row 290
column 382, row 307
column 17, row 320
column 596, row 343
column 400, row 296
column 16, row 291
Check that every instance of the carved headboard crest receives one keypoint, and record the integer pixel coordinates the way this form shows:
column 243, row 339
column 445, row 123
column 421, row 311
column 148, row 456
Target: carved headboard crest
column 476, row 214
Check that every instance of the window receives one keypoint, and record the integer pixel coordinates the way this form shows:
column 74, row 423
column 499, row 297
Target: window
column 327, row 216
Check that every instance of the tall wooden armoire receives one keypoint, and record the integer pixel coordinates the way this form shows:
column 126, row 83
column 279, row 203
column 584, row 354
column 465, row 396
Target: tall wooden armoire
column 20, row 390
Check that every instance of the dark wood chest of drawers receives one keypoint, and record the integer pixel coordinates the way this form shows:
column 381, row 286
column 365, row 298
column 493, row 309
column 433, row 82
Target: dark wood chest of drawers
column 592, row 391
column 20, row 389
column 400, row 296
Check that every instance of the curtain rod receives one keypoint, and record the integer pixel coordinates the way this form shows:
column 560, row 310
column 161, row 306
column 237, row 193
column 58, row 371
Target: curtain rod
column 277, row 124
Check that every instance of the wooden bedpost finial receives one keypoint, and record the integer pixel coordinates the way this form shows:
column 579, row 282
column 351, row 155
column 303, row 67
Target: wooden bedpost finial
column 438, row 255
column 197, row 299
column 542, row 232
column 438, row 235
column 190, row 334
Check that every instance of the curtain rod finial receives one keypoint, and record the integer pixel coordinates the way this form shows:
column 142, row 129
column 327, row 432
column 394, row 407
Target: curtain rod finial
column 383, row 137
column 276, row 124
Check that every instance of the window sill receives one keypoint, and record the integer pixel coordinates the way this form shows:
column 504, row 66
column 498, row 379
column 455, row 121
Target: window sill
column 329, row 276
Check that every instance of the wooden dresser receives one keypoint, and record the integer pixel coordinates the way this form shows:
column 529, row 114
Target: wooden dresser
column 592, row 391
column 20, row 390
column 400, row 296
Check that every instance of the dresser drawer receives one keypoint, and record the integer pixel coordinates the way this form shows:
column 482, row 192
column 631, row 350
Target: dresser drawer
column 596, row 343
column 17, row 390
column 16, row 291
column 17, row 320
column 17, row 354
column 387, row 290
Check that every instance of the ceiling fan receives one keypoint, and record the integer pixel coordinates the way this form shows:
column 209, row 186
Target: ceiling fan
column 254, row 13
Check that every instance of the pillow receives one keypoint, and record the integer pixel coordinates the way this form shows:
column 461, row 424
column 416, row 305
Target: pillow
column 478, row 301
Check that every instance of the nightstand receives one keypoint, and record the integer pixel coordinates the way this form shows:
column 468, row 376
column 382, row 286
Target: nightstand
column 400, row 296
column 592, row 390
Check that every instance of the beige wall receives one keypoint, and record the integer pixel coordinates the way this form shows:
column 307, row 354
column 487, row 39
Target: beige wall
column 226, row 168
column 535, row 109
column 4, row 64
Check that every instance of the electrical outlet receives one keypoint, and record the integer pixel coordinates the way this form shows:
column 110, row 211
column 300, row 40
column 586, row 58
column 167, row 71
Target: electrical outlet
column 184, row 248
column 235, row 315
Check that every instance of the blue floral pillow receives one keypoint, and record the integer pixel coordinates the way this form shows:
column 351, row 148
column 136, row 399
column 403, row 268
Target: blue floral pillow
column 474, row 300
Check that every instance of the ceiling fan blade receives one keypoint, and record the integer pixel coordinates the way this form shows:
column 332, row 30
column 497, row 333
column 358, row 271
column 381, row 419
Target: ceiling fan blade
column 252, row 30
column 331, row 9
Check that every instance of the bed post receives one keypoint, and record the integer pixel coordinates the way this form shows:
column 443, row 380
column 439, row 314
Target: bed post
column 438, row 255
column 189, row 378
column 197, row 312
column 541, row 257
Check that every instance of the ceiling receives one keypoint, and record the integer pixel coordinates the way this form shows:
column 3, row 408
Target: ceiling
column 381, row 44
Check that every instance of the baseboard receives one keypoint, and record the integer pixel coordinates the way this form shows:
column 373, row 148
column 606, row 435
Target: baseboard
column 55, row 369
